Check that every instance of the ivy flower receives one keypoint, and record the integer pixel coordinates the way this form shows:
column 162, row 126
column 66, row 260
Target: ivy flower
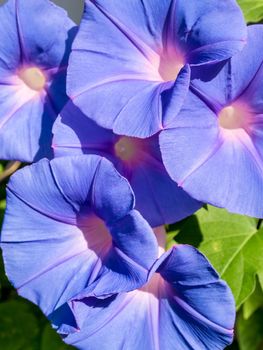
column 183, row 306
column 223, row 162
column 158, row 197
column 35, row 38
column 68, row 223
column 131, row 62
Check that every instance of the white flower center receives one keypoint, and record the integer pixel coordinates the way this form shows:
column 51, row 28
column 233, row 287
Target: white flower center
column 33, row 77
column 169, row 67
column 126, row 148
column 235, row 116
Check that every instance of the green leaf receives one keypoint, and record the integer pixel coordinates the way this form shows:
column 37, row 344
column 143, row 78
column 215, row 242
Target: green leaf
column 186, row 231
column 4, row 283
column 233, row 346
column 234, row 246
column 253, row 302
column 252, row 9
column 2, row 210
column 260, row 279
column 250, row 332
column 19, row 327
column 52, row 341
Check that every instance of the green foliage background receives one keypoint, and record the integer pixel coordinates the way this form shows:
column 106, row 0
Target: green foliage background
column 233, row 243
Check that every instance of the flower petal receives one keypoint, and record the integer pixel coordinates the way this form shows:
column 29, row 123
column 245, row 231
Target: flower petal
column 146, row 19
column 198, row 304
column 197, row 26
column 168, row 202
column 122, row 86
column 181, row 156
column 241, row 77
column 196, row 165
column 52, row 214
column 74, row 134
column 123, row 69
column 42, row 43
column 9, row 44
column 186, row 307
column 174, row 97
column 248, row 66
column 141, row 116
column 126, row 266
column 110, row 205
column 25, row 125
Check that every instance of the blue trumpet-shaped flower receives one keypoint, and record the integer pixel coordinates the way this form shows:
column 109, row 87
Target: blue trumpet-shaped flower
column 183, row 306
column 73, row 244
column 158, row 197
column 35, row 40
column 131, row 63
column 70, row 222
column 214, row 148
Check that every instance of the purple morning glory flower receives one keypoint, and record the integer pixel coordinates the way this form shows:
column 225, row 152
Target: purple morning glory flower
column 35, row 40
column 158, row 197
column 70, row 223
column 131, row 62
column 183, row 306
column 214, row 147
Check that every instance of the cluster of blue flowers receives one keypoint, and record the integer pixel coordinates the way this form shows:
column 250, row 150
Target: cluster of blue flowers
column 132, row 121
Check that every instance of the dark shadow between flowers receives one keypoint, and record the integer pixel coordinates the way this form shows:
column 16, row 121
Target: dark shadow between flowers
column 207, row 72
column 55, row 100
column 95, row 142
column 188, row 231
